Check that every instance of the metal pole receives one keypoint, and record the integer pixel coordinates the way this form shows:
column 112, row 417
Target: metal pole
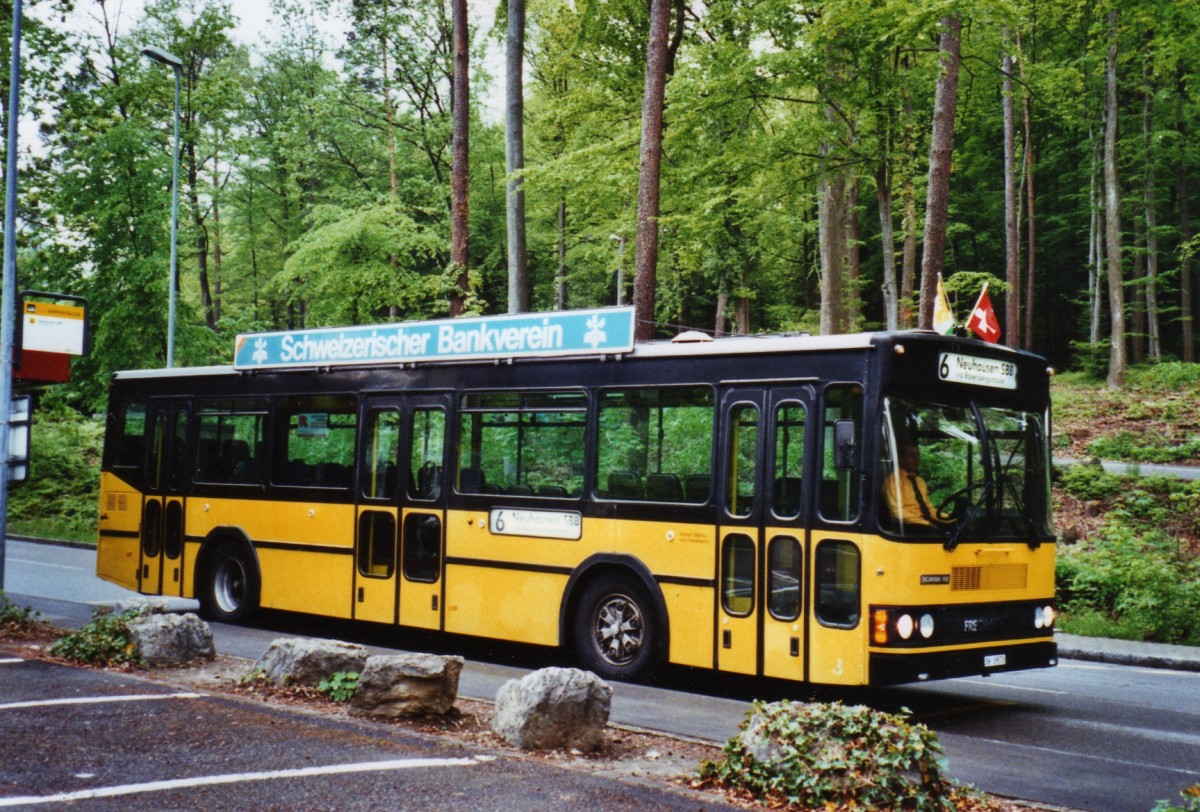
column 174, row 234
column 8, row 285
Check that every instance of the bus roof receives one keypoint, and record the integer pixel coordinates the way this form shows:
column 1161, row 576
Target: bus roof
column 688, row 345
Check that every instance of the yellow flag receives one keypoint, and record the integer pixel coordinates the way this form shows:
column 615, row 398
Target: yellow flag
column 943, row 318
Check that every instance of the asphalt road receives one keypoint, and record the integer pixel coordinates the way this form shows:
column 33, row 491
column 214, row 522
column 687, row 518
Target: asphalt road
column 1084, row 735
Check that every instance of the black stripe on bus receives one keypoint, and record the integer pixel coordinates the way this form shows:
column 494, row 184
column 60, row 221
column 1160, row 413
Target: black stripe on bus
column 508, row 565
column 302, row 548
column 120, row 534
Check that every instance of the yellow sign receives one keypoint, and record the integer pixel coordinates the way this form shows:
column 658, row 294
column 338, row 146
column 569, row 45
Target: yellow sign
column 53, row 328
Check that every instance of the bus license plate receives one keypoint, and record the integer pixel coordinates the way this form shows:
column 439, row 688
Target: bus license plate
column 994, row 660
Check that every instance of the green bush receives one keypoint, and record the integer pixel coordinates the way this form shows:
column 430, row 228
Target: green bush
column 1091, row 359
column 818, row 755
column 1191, row 801
column 105, row 641
column 1170, row 376
column 1144, row 446
column 1130, row 585
column 59, row 500
column 16, row 615
column 339, row 686
column 1090, row 482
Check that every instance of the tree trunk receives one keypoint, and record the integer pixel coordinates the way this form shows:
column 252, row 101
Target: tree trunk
column 883, row 198
column 459, row 167
column 1012, row 243
column 1112, row 215
column 908, row 264
column 216, row 217
column 514, row 152
column 831, row 193
column 853, row 297
column 1136, row 337
column 560, row 277
column 1030, row 253
column 941, row 152
column 1152, row 331
column 206, row 298
column 645, row 274
column 1185, row 270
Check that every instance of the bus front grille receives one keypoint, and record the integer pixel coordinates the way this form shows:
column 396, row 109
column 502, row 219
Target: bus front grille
column 989, row 576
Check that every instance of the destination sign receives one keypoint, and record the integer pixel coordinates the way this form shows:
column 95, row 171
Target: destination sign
column 546, row 524
column 978, row 371
column 597, row 331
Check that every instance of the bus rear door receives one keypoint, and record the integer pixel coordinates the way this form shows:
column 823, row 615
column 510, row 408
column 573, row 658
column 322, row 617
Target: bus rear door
column 423, row 511
column 162, row 530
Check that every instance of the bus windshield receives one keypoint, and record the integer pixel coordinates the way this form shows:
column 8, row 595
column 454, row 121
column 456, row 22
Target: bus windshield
column 964, row 470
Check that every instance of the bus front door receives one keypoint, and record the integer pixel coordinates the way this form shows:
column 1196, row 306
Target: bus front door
column 162, row 532
column 423, row 510
column 376, row 539
column 761, row 609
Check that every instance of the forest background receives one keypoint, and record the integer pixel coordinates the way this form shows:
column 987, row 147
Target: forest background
column 316, row 168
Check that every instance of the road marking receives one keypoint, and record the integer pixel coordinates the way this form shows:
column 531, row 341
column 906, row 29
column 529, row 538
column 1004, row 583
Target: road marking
column 10, row 660
column 238, row 778
column 1057, row 752
column 44, row 564
column 95, row 700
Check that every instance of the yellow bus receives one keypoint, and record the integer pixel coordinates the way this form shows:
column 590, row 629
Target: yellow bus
column 848, row 510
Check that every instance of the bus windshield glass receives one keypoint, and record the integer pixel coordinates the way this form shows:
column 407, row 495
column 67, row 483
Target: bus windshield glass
column 963, row 471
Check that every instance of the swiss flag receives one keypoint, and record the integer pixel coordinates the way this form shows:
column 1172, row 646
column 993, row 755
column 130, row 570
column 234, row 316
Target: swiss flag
column 983, row 321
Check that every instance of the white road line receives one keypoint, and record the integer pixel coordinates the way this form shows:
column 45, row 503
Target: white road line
column 44, row 564
column 238, row 778
column 95, row 700
column 1057, row 752
column 10, row 660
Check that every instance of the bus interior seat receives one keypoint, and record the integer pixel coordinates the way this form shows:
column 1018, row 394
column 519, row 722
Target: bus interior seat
column 625, row 485
column 696, row 487
column 472, row 480
column 295, row 472
column 428, row 481
column 520, row 490
column 664, row 488
column 329, row 475
column 556, row 491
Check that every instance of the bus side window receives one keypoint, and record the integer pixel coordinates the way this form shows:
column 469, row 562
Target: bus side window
column 840, row 491
column 839, row 574
column 655, row 444
column 128, row 431
column 229, row 444
column 382, row 443
column 315, row 441
column 789, row 460
column 426, row 454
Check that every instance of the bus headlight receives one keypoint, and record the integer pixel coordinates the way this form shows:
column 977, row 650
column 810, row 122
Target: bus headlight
column 927, row 626
column 905, row 626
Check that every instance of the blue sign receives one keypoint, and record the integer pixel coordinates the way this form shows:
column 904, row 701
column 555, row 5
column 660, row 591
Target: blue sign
column 564, row 332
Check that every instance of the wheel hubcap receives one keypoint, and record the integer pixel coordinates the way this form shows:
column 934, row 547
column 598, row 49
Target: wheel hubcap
column 618, row 630
column 229, row 587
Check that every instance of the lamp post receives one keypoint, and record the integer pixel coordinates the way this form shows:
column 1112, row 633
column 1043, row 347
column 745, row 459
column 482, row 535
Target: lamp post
column 167, row 58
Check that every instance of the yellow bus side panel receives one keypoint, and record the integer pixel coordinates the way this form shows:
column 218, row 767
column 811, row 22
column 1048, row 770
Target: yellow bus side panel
column 118, row 542
column 504, row 604
column 303, row 581
column 690, row 609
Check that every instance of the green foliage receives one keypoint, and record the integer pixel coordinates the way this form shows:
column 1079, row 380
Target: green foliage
column 816, row 755
column 1191, row 801
column 10, row 613
column 1091, row 359
column 1130, row 584
column 1090, row 482
column 1145, row 446
column 339, row 686
column 105, row 641
column 1170, row 376
column 59, row 499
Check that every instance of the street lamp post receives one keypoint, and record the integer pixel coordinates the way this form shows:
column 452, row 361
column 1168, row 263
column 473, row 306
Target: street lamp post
column 167, row 58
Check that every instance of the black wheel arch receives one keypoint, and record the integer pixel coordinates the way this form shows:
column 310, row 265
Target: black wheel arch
column 614, row 564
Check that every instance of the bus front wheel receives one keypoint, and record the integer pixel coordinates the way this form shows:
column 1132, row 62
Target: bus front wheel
column 615, row 630
column 230, row 591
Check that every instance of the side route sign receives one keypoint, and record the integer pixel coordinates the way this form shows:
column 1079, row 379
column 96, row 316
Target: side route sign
column 600, row 331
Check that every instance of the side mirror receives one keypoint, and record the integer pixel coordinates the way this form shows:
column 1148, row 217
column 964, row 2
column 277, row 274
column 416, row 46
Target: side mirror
column 845, row 445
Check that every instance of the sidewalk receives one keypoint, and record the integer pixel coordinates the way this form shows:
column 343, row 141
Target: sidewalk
column 1127, row 652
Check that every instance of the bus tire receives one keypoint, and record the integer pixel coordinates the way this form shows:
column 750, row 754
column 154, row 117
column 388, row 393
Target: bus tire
column 230, row 589
column 616, row 631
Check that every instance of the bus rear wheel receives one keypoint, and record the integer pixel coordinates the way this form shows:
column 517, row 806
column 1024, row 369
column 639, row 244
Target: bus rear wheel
column 616, row 633
column 230, row 589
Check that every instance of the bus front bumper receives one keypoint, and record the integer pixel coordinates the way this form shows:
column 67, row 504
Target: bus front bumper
column 895, row 669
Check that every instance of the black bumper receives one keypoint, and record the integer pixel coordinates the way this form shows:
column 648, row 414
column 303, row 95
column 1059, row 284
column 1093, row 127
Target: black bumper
column 894, row 669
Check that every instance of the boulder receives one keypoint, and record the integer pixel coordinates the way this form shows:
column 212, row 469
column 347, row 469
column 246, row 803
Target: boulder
column 170, row 640
column 303, row 661
column 144, row 606
column 554, row 708
column 395, row 685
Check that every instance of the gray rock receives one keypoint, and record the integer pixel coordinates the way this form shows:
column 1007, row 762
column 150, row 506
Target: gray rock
column 302, row 661
column 171, row 640
column 554, row 708
column 395, row 685
column 147, row 606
